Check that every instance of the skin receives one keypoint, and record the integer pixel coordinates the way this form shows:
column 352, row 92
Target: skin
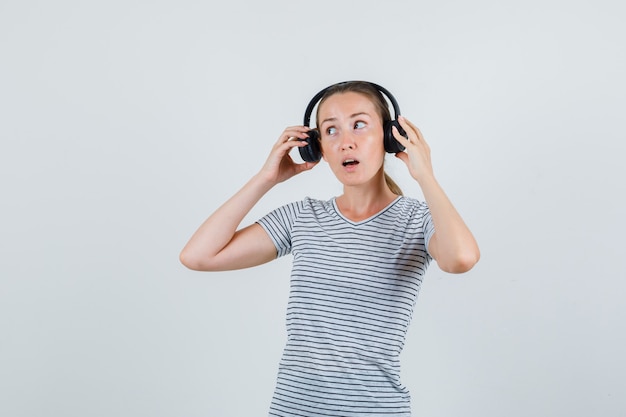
column 351, row 129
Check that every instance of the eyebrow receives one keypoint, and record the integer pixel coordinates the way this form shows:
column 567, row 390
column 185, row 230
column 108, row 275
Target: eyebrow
column 332, row 119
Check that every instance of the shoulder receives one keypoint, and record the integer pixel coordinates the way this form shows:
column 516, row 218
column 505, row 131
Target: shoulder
column 411, row 204
column 295, row 209
column 410, row 212
column 314, row 203
column 308, row 203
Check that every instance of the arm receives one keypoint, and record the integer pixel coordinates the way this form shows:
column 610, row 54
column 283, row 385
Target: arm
column 219, row 244
column 452, row 245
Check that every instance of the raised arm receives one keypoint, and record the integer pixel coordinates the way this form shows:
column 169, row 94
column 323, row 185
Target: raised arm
column 219, row 244
column 452, row 245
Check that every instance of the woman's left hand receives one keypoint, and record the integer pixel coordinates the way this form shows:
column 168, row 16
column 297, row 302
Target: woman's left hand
column 416, row 156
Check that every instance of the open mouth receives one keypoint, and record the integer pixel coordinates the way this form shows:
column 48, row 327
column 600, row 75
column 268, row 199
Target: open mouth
column 350, row 162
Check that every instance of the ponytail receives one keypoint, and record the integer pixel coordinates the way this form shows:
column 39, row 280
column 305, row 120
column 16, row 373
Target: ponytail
column 392, row 185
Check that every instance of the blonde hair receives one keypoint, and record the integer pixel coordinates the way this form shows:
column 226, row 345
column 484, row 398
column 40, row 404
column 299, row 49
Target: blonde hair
column 395, row 188
column 372, row 93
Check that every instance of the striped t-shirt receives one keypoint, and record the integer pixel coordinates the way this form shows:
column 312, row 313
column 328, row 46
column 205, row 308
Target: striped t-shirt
column 353, row 289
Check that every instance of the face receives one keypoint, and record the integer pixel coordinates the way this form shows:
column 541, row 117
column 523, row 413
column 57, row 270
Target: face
column 351, row 137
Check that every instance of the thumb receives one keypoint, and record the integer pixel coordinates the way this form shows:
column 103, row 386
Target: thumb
column 306, row 166
column 403, row 156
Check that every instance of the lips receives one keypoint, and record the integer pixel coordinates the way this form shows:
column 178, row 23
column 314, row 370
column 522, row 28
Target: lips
column 349, row 162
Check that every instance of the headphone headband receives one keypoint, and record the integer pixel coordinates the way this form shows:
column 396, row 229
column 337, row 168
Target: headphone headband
column 318, row 97
column 313, row 153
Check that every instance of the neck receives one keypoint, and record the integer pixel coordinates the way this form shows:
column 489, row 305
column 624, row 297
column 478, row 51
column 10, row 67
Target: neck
column 360, row 202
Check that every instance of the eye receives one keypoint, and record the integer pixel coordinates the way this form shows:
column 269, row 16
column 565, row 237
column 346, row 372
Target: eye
column 359, row 125
column 331, row 131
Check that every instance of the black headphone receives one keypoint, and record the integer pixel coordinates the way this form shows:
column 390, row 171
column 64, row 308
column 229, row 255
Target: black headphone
column 312, row 152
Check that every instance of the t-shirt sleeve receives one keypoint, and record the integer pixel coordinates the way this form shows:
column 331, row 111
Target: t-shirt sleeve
column 429, row 228
column 279, row 224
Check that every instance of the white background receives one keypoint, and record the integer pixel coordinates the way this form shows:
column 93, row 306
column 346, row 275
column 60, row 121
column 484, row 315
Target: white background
column 125, row 123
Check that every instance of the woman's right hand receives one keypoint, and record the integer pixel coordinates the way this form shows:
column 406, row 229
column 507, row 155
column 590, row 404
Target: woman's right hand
column 279, row 165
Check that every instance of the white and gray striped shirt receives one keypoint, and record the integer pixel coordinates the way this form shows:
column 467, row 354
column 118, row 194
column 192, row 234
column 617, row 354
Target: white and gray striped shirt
column 353, row 289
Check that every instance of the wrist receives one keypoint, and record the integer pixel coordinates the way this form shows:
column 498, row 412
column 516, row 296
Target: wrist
column 262, row 181
column 426, row 179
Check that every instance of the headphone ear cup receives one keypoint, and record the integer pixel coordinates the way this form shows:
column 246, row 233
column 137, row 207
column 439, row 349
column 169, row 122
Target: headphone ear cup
column 311, row 152
column 391, row 144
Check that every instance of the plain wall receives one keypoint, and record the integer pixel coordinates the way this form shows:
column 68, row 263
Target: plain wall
column 124, row 124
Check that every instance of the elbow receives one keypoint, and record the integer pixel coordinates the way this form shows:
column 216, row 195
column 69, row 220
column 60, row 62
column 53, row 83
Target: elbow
column 186, row 260
column 461, row 263
column 192, row 262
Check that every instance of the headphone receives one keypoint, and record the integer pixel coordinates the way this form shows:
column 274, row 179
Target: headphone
column 312, row 152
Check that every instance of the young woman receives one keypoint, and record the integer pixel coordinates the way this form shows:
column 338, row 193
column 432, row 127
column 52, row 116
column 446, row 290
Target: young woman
column 358, row 259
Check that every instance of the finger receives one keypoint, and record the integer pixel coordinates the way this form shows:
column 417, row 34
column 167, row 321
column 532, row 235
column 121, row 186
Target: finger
column 299, row 132
column 406, row 123
column 399, row 137
column 286, row 146
column 283, row 148
column 299, row 128
column 306, row 166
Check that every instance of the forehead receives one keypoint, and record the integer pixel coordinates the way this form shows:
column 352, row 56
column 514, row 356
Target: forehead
column 346, row 104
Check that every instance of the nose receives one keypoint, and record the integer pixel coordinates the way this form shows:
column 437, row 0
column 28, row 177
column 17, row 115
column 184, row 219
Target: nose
column 347, row 142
